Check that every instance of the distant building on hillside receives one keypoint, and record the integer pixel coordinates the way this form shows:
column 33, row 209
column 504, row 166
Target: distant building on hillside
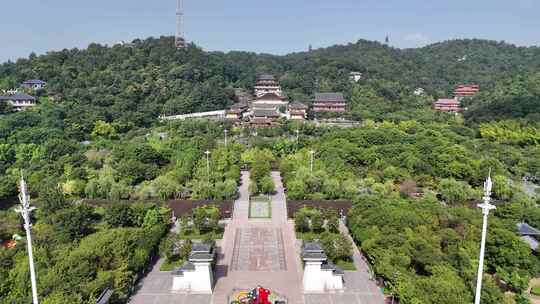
column 419, row 91
column 529, row 235
column 34, row 84
column 267, row 83
column 236, row 112
column 466, row 90
column 297, row 111
column 19, row 101
column 447, row 105
column 329, row 102
column 355, row 76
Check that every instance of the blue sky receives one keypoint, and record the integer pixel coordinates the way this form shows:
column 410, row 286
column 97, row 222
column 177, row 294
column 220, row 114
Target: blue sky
column 271, row 26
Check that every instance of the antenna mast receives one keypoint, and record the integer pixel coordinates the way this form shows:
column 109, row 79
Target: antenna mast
column 179, row 41
column 25, row 209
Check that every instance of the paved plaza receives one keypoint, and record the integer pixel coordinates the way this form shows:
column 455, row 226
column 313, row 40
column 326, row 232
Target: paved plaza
column 258, row 249
column 261, row 252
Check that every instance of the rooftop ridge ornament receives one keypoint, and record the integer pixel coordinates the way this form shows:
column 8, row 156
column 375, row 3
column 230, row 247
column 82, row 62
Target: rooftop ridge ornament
column 25, row 209
column 486, row 208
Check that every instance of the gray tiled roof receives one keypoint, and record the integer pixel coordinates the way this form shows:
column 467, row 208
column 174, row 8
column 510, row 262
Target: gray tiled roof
column 18, row 96
column 270, row 96
column 297, row 105
column 105, row 297
column 312, row 247
column 34, row 81
column 329, row 97
column 532, row 242
column 197, row 256
column 265, row 113
column 526, row 229
column 266, row 77
column 314, row 256
column 201, row 248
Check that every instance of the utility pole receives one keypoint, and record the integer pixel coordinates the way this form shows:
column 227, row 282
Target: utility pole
column 25, row 211
column 208, row 172
column 226, row 131
column 486, row 207
column 311, row 162
column 297, row 138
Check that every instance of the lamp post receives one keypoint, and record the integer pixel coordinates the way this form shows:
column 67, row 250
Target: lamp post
column 25, row 211
column 311, row 162
column 486, row 207
column 208, row 172
column 297, row 137
column 226, row 131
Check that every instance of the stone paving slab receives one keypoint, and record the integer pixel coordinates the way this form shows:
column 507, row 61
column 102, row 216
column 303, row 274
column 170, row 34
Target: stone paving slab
column 258, row 249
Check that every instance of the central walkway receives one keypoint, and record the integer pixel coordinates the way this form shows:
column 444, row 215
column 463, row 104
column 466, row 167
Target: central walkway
column 259, row 251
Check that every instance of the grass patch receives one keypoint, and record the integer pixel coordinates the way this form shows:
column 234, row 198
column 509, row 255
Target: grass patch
column 535, row 291
column 196, row 235
column 310, row 235
column 170, row 265
column 260, row 201
column 346, row 265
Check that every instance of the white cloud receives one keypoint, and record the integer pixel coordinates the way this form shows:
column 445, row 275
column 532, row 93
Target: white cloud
column 419, row 39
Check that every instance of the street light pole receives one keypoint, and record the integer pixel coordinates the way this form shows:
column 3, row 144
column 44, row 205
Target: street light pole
column 208, row 172
column 25, row 211
column 311, row 162
column 486, row 207
column 226, row 131
column 297, row 138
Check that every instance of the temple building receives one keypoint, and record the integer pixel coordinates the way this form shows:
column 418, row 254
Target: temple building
column 19, row 101
column 34, row 84
column 447, row 105
column 269, row 99
column 267, row 83
column 236, row 112
column 320, row 274
column 297, row 111
column 466, row 90
column 329, row 102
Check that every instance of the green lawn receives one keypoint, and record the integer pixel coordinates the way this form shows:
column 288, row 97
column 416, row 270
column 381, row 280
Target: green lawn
column 255, row 204
column 310, row 235
column 195, row 235
column 346, row 265
column 169, row 266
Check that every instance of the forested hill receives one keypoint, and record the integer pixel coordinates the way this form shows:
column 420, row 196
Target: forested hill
column 134, row 83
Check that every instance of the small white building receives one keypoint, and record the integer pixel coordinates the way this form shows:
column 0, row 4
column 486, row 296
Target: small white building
column 355, row 76
column 320, row 275
column 34, row 84
column 196, row 275
column 419, row 91
column 19, row 101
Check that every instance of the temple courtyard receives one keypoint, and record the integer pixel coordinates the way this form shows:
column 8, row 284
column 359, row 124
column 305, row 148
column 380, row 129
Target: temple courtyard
column 259, row 247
